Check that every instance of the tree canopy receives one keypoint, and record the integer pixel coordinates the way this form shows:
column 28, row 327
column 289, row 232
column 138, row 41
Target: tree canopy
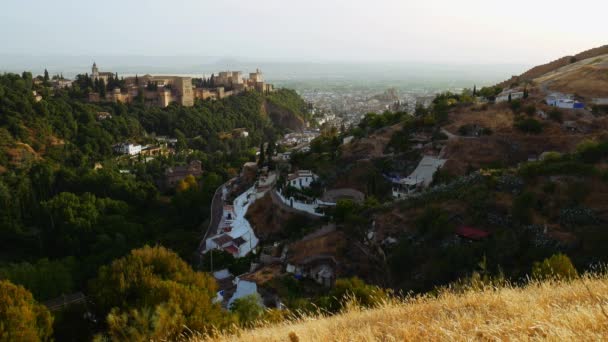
column 21, row 317
column 153, row 292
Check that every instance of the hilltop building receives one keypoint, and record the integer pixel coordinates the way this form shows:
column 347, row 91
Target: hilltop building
column 301, row 179
column 97, row 75
column 565, row 101
column 504, row 96
column 163, row 90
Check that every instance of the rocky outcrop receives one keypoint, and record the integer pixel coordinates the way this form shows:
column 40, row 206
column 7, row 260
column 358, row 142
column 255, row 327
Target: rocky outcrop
column 283, row 117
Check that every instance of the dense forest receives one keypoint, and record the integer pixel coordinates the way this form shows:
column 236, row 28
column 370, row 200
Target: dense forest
column 69, row 205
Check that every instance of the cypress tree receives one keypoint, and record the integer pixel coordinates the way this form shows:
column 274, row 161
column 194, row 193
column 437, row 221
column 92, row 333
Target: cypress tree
column 509, row 97
column 262, row 156
column 102, row 88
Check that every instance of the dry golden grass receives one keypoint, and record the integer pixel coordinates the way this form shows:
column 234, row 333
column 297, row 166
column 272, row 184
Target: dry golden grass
column 567, row 311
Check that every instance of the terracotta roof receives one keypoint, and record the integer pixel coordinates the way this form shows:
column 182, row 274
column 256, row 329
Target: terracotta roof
column 232, row 250
column 239, row 241
column 471, row 233
column 222, row 240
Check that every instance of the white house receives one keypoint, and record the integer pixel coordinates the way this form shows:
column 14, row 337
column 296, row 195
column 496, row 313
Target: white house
column 347, row 140
column 564, row 101
column 504, row 96
column 419, row 179
column 301, row 179
column 244, row 288
column 235, row 235
column 128, row 148
column 601, row 101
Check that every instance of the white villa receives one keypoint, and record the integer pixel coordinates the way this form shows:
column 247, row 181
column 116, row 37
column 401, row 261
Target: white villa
column 565, row 101
column 419, row 179
column 128, row 148
column 504, row 96
column 301, row 179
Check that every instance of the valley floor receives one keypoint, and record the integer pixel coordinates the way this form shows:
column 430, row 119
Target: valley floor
column 567, row 311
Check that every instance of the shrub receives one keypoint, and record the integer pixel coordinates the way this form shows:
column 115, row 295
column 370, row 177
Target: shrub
column 349, row 290
column 522, row 205
column 558, row 266
column 248, row 309
column 556, row 115
column 529, row 125
column 516, row 106
column 530, row 110
column 591, row 151
column 434, row 222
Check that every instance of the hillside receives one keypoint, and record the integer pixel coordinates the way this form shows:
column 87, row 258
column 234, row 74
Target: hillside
column 540, row 70
column 587, row 78
column 286, row 109
column 564, row 311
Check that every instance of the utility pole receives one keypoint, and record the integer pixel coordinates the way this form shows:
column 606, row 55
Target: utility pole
column 211, row 253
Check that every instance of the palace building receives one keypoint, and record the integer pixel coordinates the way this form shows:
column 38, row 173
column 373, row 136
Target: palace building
column 163, row 90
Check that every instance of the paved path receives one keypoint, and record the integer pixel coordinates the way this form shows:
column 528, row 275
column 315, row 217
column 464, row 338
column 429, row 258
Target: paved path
column 217, row 208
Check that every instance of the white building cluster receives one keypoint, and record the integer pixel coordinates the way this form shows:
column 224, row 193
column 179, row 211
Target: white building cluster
column 235, row 234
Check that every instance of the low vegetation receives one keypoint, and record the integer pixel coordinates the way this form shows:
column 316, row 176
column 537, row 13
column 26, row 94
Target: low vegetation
column 558, row 310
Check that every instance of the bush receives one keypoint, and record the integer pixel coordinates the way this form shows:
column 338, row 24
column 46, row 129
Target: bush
column 591, row 151
column 248, row 309
column 529, row 125
column 350, row 290
column 434, row 222
column 556, row 115
column 530, row 110
column 516, row 106
column 559, row 266
column 522, row 206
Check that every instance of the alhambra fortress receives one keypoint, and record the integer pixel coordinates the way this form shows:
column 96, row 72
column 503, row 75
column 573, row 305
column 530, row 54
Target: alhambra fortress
column 163, row 90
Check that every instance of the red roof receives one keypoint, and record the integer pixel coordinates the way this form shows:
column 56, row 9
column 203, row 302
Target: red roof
column 232, row 250
column 471, row 233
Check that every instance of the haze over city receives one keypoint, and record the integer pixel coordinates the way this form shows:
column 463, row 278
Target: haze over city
column 435, row 31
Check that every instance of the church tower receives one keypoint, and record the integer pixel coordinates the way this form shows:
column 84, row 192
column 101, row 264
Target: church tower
column 94, row 71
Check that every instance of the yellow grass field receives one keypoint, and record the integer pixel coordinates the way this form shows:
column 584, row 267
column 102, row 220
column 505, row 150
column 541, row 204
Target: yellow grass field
column 550, row 311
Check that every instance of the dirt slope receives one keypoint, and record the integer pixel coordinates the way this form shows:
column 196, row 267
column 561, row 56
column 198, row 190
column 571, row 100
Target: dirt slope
column 587, row 78
column 540, row 70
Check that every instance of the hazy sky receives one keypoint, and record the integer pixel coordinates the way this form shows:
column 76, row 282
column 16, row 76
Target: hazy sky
column 463, row 31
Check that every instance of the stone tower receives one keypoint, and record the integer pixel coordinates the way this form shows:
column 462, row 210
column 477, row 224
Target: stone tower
column 94, row 71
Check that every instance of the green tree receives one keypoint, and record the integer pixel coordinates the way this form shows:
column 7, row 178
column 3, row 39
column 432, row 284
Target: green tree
column 558, row 266
column 248, row 309
column 529, row 125
column 45, row 279
column 102, row 88
column 182, row 142
column 262, row 155
column 156, row 294
column 354, row 289
column 434, row 222
column 21, row 317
